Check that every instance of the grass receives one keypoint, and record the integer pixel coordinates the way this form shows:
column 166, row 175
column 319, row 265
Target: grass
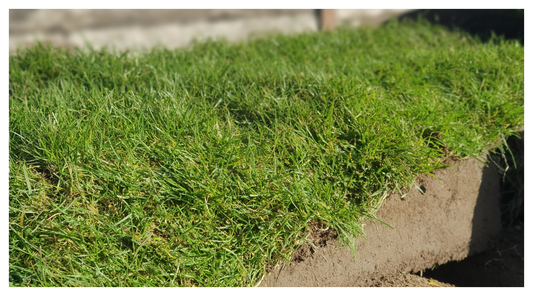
column 204, row 166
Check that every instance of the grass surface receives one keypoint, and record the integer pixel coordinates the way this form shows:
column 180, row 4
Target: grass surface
column 204, row 166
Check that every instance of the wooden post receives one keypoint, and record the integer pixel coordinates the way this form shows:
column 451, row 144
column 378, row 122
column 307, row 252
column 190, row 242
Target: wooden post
column 328, row 19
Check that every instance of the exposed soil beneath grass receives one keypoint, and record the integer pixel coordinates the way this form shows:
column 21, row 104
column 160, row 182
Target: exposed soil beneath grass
column 501, row 266
column 488, row 257
column 410, row 280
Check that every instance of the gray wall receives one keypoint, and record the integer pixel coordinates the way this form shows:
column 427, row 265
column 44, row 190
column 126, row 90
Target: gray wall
column 142, row 29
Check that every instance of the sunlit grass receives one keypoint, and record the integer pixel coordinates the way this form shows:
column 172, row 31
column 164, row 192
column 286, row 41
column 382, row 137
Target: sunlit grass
column 204, row 166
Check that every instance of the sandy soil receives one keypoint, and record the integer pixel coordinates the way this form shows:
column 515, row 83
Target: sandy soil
column 491, row 256
column 457, row 216
column 501, row 266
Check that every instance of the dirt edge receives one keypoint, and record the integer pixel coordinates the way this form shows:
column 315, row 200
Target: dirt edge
column 457, row 216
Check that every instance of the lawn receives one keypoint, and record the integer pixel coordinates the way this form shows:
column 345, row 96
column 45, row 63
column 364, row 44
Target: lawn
column 204, row 166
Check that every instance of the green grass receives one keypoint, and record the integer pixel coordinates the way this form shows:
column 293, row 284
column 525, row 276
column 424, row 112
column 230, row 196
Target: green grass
column 204, row 166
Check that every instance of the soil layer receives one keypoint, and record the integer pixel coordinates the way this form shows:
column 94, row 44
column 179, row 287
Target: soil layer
column 457, row 216
column 501, row 266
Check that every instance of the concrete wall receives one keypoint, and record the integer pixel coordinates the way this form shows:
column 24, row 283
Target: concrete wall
column 143, row 29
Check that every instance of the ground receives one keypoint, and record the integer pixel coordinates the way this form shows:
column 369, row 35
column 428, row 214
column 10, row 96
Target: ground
column 501, row 266
column 430, row 229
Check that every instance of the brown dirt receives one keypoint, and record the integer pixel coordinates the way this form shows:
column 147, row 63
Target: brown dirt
column 409, row 280
column 457, row 217
column 501, row 266
column 318, row 238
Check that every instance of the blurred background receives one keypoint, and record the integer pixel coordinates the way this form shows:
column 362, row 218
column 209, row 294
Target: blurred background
column 172, row 28
column 175, row 28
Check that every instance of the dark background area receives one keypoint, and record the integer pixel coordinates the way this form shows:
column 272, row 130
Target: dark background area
column 507, row 23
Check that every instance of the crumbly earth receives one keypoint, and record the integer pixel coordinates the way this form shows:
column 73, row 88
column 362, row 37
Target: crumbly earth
column 409, row 280
column 501, row 266
column 457, row 217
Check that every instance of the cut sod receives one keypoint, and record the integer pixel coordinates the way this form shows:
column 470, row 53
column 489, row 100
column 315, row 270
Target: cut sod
column 205, row 166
